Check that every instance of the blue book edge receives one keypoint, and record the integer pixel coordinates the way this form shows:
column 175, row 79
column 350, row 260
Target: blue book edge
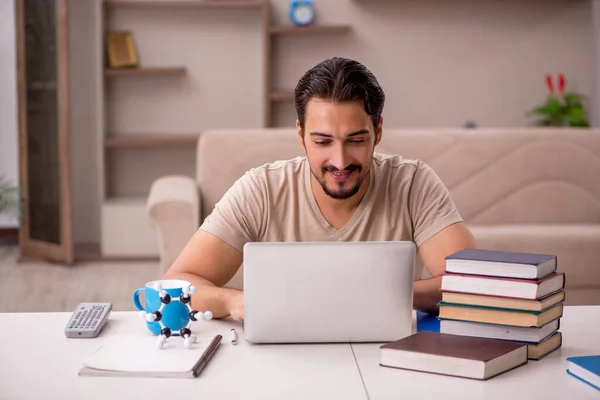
column 583, row 380
column 427, row 322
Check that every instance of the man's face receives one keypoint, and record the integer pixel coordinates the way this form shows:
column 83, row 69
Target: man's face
column 339, row 140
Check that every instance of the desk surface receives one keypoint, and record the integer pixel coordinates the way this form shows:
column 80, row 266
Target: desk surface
column 543, row 379
column 38, row 363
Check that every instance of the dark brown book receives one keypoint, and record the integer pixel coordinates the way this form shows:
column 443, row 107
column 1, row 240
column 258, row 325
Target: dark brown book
column 454, row 355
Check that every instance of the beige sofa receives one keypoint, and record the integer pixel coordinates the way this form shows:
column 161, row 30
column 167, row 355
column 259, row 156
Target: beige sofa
column 526, row 189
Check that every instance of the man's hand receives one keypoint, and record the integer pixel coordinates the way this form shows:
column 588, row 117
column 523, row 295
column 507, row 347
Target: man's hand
column 433, row 253
column 235, row 306
column 209, row 263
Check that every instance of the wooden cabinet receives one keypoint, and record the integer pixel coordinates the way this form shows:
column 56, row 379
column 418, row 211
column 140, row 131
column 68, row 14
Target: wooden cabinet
column 44, row 153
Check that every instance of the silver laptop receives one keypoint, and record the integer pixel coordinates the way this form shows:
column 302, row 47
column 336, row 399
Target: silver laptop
column 324, row 292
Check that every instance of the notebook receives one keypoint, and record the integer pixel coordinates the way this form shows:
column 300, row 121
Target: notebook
column 139, row 356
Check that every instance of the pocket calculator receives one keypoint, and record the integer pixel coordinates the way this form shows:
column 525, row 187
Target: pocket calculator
column 87, row 320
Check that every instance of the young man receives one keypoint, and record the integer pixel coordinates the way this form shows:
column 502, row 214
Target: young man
column 341, row 191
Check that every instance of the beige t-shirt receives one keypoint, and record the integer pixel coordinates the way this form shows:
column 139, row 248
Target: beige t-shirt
column 405, row 201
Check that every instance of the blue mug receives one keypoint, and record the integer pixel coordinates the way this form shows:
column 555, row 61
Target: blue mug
column 175, row 315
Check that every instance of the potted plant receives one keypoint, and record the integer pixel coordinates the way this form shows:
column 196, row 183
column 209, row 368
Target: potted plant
column 9, row 198
column 561, row 108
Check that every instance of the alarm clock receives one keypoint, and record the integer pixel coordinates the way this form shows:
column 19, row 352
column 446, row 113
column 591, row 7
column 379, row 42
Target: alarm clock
column 302, row 12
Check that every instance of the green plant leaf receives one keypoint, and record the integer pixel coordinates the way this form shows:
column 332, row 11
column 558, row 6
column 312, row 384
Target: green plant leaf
column 552, row 107
column 10, row 198
column 572, row 99
column 576, row 117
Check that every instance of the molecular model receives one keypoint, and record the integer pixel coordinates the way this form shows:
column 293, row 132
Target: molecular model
column 184, row 298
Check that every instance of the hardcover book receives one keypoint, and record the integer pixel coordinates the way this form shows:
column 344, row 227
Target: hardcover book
column 498, row 316
column 501, row 263
column 495, row 331
column 586, row 369
column 504, row 302
column 503, row 287
column 453, row 355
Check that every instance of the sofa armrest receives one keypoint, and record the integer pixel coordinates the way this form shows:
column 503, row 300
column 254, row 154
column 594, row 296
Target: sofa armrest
column 173, row 208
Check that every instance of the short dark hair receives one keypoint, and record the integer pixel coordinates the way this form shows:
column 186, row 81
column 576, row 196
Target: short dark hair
column 339, row 79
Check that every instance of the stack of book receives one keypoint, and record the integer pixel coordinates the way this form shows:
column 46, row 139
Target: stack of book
column 504, row 295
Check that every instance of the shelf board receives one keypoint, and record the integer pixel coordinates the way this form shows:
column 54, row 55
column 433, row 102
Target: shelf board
column 308, row 30
column 149, row 141
column 282, row 96
column 184, row 3
column 144, row 71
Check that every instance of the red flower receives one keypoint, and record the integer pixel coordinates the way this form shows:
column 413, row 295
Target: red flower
column 549, row 83
column 561, row 83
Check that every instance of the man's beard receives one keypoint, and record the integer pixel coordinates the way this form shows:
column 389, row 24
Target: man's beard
column 340, row 194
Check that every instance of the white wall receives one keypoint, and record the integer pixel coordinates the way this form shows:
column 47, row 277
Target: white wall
column 444, row 62
column 9, row 165
column 441, row 63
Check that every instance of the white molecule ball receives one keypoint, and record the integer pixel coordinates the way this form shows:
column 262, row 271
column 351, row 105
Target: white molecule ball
column 143, row 314
column 157, row 286
column 208, row 315
column 150, row 317
column 189, row 289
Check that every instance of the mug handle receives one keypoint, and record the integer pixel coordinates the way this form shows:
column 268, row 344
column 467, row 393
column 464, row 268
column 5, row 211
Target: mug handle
column 136, row 299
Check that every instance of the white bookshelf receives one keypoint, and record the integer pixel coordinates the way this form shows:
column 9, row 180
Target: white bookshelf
column 152, row 115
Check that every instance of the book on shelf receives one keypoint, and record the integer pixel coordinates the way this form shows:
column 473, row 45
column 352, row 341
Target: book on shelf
column 586, row 369
column 453, row 355
column 506, row 264
column 533, row 289
column 138, row 356
column 504, row 302
column 463, row 312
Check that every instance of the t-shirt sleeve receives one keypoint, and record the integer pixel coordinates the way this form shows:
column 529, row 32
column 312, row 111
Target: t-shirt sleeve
column 238, row 217
column 431, row 206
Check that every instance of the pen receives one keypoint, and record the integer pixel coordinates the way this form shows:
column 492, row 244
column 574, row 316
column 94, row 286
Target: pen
column 233, row 336
column 210, row 350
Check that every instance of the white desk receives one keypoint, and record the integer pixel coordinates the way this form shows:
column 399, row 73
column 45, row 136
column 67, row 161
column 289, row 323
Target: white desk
column 36, row 365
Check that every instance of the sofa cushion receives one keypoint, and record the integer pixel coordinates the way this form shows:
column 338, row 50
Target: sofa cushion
column 577, row 247
column 224, row 156
column 511, row 175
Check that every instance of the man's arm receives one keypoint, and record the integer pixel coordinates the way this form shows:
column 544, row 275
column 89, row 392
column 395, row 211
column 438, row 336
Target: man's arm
column 209, row 263
column 433, row 252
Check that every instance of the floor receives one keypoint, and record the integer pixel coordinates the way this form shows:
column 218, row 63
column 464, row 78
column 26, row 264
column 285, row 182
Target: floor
column 41, row 286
